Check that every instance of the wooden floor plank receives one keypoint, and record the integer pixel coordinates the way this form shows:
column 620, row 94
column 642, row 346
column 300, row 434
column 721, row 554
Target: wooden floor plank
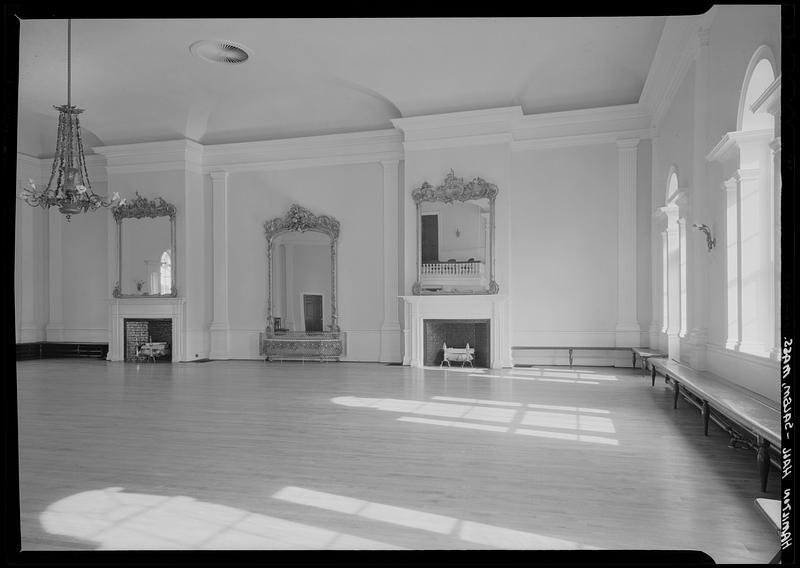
column 626, row 470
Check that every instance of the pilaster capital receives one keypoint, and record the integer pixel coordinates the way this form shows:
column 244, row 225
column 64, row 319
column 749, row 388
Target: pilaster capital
column 629, row 144
column 219, row 176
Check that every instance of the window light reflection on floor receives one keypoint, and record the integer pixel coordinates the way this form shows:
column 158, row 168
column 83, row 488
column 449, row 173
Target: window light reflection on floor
column 468, row 531
column 116, row 520
column 563, row 422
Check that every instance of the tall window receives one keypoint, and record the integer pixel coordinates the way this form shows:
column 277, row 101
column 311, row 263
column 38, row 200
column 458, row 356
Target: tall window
column 751, row 219
column 674, row 288
column 165, row 280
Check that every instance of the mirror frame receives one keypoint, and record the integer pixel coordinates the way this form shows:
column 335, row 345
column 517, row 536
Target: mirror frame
column 138, row 208
column 300, row 219
column 455, row 189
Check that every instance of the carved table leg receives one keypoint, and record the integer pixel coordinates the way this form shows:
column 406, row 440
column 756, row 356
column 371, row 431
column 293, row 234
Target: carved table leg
column 653, row 375
column 677, row 387
column 706, row 415
column 763, row 463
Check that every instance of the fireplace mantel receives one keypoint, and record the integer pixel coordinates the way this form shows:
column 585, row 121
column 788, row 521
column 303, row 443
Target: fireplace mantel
column 154, row 307
column 492, row 307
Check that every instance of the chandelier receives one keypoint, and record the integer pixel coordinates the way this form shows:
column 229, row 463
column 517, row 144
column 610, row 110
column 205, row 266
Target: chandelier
column 72, row 191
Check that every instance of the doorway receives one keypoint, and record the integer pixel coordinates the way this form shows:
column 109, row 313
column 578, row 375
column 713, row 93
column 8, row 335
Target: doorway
column 312, row 311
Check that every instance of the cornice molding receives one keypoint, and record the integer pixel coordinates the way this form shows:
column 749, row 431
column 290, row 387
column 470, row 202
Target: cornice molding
column 729, row 144
column 448, row 125
column 307, row 151
column 95, row 165
column 153, row 156
column 581, row 127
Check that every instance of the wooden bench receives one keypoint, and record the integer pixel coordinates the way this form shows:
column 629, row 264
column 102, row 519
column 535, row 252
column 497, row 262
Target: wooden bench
column 644, row 354
column 732, row 407
column 571, row 349
column 771, row 509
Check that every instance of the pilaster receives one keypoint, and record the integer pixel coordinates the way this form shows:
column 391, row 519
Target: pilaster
column 390, row 328
column 627, row 329
column 220, row 326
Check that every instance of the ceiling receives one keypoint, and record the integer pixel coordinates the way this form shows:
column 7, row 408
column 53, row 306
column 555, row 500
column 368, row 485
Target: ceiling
column 138, row 81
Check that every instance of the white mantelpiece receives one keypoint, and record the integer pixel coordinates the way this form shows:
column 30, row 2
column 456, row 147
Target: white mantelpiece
column 146, row 308
column 488, row 307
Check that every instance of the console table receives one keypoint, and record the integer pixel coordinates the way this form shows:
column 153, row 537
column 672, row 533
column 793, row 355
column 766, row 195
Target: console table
column 322, row 346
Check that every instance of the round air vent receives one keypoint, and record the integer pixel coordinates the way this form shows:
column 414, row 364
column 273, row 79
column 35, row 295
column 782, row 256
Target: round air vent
column 220, row 51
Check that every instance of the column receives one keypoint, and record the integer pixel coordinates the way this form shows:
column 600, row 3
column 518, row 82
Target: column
column 732, row 292
column 696, row 249
column 55, row 324
column 220, row 325
column 627, row 329
column 390, row 328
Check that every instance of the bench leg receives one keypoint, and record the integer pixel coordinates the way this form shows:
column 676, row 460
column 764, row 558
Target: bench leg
column 763, row 463
column 677, row 387
column 706, row 415
column 570, row 357
column 633, row 364
column 653, row 375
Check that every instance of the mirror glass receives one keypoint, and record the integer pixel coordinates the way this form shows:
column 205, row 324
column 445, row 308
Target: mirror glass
column 301, row 295
column 455, row 230
column 146, row 257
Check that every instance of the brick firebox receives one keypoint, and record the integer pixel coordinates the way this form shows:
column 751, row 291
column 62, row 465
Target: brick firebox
column 456, row 333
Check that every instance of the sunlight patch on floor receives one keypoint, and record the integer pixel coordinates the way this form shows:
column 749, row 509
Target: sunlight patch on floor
column 136, row 521
column 468, row 531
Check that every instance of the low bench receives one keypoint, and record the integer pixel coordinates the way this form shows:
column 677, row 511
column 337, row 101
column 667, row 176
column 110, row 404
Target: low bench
column 644, row 354
column 571, row 349
column 732, row 407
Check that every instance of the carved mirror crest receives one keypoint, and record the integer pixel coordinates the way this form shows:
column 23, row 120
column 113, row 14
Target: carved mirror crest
column 281, row 232
column 146, row 256
column 455, row 237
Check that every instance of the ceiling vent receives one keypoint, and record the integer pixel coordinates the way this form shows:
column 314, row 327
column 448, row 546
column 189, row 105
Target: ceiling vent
column 220, row 51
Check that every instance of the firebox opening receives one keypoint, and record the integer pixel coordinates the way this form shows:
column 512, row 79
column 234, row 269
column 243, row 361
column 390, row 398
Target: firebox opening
column 139, row 331
column 456, row 333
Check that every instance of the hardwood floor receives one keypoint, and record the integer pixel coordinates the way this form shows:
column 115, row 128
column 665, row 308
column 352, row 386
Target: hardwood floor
column 246, row 454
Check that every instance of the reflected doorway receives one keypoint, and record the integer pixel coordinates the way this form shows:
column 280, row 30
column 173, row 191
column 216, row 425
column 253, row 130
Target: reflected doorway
column 312, row 310
column 430, row 238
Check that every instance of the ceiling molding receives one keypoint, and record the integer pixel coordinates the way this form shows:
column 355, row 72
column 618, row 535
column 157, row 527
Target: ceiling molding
column 30, row 167
column 307, row 151
column 166, row 155
column 581, row 127
column 456, row 125
column 458, row 141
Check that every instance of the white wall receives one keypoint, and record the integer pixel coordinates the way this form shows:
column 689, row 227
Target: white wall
column 563, row 212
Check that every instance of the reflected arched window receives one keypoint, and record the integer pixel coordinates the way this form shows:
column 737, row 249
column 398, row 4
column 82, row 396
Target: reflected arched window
column 165, row 279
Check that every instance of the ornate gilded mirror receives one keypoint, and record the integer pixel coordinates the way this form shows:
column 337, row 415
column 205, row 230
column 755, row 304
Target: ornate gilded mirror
column 302, row 317
column 455, row 237
column 146, row 256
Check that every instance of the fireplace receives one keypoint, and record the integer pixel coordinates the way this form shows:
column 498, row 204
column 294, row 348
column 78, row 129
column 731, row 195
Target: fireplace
column 456, row 333
column 484, row 315
column 139, row 330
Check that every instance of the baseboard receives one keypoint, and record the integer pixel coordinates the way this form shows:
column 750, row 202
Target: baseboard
column 60, row 349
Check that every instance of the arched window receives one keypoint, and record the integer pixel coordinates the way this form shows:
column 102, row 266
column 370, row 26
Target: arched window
column 674, row 280
column 165, row 279
column 750, row 247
